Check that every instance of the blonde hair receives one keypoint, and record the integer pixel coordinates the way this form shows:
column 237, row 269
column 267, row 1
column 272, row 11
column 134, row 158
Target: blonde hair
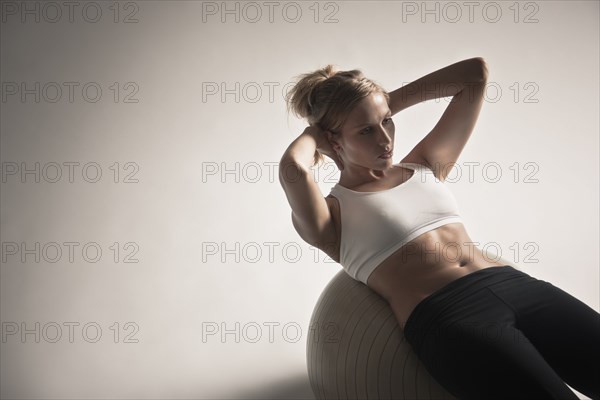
column 326, row 96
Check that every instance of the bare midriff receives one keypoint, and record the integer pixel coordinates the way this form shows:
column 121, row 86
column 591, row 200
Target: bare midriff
column 424, row 265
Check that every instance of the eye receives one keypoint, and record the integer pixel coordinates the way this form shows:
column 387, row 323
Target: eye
column 386, row 120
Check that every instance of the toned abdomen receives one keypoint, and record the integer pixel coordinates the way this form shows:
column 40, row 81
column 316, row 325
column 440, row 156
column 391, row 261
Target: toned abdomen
column 424, row 265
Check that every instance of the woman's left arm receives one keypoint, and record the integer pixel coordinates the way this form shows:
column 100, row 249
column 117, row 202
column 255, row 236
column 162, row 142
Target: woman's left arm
column 444, row 82
column 465, row 81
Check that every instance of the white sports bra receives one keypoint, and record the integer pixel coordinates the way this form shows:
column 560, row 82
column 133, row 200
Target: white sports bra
column 376, row 224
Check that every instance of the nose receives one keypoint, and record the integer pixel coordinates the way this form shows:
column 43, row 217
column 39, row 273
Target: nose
column 385, row 139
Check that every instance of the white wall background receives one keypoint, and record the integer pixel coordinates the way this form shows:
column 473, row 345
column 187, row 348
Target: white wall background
column 541, row 108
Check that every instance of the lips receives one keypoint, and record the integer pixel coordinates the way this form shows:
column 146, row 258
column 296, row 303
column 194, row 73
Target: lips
column 386, row 154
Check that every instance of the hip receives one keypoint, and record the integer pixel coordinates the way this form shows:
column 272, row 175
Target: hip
column 425, row 284
column 503, row 279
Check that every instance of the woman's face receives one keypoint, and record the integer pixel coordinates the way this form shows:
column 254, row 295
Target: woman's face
column 367, row 133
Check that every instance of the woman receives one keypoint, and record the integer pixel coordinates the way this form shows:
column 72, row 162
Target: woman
column 483, row 329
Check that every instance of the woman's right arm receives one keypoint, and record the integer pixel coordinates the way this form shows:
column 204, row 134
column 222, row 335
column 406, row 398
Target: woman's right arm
column 310, row 214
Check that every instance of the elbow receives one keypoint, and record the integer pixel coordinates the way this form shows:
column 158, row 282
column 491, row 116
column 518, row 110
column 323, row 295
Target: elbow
column 476, row 70
column 482, row 70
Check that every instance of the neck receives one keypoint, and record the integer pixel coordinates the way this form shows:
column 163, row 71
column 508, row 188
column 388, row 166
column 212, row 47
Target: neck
column 355, row 175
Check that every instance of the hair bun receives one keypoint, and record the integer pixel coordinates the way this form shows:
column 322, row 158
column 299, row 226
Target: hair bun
column 329, row 71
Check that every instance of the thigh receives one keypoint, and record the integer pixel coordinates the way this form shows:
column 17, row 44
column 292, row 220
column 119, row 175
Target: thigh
column 475, row 351
column 565, row 330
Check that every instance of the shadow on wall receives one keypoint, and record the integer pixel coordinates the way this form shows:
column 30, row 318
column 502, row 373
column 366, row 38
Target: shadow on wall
column 296, row 387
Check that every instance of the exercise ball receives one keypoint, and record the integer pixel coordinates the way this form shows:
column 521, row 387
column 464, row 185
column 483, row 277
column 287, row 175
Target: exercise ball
column 357, row 350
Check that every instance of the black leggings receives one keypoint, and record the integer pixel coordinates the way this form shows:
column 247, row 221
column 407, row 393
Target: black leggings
column 498, row 333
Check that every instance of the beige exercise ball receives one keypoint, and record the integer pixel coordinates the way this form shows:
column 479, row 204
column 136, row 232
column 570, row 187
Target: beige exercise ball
column 356, row 349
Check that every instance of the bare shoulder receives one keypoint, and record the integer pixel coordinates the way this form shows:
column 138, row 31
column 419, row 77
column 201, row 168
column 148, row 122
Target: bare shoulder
column 415, row 159
column 440, row 171
column 334, row 208
column 331, row 244
column 330, row 198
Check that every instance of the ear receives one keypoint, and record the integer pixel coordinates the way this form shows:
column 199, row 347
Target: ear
column 335, row 145
column 333, row 140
